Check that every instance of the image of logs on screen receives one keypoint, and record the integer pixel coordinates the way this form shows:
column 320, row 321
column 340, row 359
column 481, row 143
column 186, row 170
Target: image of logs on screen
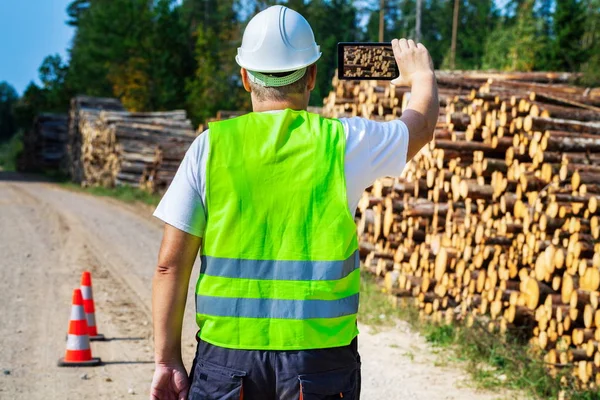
column 119, row 147
column 496, row 222
column 362, row 61
column 45, row 144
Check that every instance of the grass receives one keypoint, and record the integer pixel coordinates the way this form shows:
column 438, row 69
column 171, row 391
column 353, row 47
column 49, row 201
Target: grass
column 493, row 361
column 9, row 151
column 127, row 194
column 375, row 308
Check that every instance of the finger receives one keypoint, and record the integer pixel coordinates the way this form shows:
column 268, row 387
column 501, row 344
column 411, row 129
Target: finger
column 403, row 44
column 396, row 48
column 183, row 394
column 421, row 46
column 411, row 44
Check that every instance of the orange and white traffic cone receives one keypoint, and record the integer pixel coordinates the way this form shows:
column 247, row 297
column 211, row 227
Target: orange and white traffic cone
column 79, row 353
column 88, row 306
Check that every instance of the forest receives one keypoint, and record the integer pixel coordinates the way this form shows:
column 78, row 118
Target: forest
column 167, row 54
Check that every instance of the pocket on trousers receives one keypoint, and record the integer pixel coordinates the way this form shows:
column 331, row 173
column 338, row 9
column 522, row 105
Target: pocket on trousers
column 336, row 384
column 215, row 382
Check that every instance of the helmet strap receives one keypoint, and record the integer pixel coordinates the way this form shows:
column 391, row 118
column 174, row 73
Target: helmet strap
column 267, row 80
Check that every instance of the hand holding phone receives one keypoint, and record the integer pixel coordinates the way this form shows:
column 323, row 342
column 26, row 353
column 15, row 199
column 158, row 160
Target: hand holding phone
column 412, row 59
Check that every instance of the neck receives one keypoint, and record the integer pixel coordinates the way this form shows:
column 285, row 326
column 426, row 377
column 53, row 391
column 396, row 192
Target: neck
column 269, row 105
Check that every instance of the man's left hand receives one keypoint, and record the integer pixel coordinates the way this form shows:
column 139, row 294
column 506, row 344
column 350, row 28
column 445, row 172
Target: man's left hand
column 170, row 382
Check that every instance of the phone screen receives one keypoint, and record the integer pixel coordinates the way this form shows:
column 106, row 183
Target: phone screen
column 374, row 61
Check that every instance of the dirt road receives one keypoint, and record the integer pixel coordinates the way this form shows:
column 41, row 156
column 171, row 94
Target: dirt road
column 48, row 235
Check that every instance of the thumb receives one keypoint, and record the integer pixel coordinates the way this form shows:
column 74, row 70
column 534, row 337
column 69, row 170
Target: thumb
column 399, row 81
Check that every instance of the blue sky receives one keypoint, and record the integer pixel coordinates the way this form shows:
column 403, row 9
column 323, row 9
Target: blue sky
column 29, row 31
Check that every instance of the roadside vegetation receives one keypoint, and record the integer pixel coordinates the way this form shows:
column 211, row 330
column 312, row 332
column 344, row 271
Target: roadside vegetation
column 126, row 194
column 493, row 361
column 9, row 151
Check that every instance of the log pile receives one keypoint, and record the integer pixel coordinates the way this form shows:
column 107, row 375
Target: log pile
column 83, row 122
column 498, row 220
column 116, row 147
column 44, row 145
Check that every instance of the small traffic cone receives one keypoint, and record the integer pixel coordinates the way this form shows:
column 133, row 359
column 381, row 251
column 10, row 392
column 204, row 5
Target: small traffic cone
column 78, row 352
column 88, row 306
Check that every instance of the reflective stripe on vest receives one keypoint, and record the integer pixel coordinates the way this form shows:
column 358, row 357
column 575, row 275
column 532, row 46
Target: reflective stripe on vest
column 280, row 253
column 283, row 270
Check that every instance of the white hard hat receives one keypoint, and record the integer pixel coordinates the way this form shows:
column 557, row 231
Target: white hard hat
column 277, row 39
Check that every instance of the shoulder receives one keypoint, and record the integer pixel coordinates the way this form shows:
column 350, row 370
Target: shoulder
column 199, row 147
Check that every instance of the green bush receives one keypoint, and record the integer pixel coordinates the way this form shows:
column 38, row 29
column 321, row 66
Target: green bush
column 9, row 152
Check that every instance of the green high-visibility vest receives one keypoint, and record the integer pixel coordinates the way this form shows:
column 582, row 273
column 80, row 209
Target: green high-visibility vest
column 280, row 267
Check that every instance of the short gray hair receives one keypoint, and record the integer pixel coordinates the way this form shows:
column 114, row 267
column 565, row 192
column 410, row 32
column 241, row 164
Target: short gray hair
column 280, row 93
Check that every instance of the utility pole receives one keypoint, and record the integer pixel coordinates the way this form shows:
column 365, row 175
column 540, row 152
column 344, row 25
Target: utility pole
column 381, row 19
column 418, row 22
column 454, row 32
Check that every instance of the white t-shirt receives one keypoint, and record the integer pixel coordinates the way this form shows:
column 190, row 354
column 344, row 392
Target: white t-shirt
column 373, row 150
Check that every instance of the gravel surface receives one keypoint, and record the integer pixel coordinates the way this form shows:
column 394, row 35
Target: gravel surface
column 49, row 235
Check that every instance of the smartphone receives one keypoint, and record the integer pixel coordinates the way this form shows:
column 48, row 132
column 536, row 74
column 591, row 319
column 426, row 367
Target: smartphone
column 366, row 61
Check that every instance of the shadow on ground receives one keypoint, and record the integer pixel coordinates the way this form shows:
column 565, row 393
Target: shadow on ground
column 10, row 176
column 109, row 339
column 126, row 362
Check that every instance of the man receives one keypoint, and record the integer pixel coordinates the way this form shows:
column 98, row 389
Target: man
column 271, row 197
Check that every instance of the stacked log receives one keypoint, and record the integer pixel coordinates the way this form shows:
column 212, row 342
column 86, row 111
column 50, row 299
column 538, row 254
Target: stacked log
column 498, row 219
column 44, row 145
column 116, row 147
column 134, row 138
column 83, row 121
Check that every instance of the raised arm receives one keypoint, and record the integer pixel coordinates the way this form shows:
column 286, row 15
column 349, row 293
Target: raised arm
column 416, row 71
column 178, row 252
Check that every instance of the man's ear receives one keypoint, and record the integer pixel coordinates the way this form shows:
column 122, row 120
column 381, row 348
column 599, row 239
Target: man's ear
column 245, row 80
column 312, row 77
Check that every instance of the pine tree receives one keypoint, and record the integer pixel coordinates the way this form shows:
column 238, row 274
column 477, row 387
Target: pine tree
column 544, row 12
column 319, row 14
column 109, row 34
column 569, row 28
column 522, row 54
column 172, row 57
column 52, row 74
column 216, row 84
column 591, row 43
column 8, row 99
column 515, row 43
